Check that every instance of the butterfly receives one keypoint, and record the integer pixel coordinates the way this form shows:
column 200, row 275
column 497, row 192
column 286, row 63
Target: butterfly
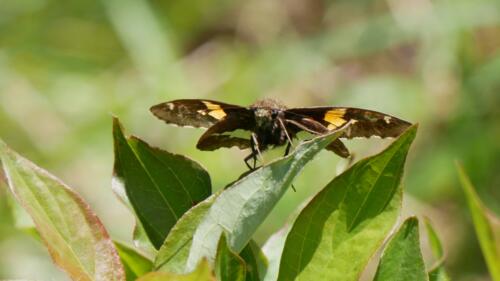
column 268, row 123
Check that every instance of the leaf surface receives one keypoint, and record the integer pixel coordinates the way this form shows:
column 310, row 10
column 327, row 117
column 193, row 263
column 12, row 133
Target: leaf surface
column 228, row 265
column 273, row 249
column 159, row 186
column 437, row 272
column 402, row 259
column 203, row 272
column 173, row 254
column 135, row 264
column 256, row 262
column 242, row 207
column 341, row 228
column 487, row 226
column 73, row 234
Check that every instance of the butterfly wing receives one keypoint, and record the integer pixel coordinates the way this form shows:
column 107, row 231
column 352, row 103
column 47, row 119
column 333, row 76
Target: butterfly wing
column 234, row 130
column 364, row 123
column 194, row 112
column 302, row 124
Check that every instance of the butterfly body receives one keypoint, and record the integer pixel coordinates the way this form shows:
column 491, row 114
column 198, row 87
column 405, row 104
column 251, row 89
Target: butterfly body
column 269, row 123
column 267, row 127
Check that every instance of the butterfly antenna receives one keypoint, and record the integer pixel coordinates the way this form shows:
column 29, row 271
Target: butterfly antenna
column 287, row 135
column 290, row 143
column 303, row 127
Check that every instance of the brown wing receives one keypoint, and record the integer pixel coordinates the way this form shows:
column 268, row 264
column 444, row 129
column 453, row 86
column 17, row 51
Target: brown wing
column 194, row 112
column 309, row 125
column 365, row 123
column 234, row 130
column 338, row 147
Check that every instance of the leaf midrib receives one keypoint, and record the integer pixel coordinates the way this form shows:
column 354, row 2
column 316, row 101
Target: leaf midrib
column 365, row 199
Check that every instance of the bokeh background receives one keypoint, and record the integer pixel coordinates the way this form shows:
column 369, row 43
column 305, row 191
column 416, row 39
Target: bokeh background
column 67, row 66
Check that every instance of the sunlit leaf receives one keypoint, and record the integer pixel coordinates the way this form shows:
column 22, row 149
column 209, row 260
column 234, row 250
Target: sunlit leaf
column 173, row 254
column 437, row 272
column 228, row 265
column 402, row 259
column 135, row 264
column 486, row 224
column 74, row 236
column 203, row 272
column 341, row 228
column 242, row 207
column 159, row 185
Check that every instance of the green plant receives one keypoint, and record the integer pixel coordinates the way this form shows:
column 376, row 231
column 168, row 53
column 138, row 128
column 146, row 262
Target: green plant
column 486, row 224
column 188, row 233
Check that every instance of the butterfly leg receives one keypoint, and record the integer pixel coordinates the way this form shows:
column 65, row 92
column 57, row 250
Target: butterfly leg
column 287, row 149
column 256, row 148
column 251, row 156
column 288, row 145
column 254, row 145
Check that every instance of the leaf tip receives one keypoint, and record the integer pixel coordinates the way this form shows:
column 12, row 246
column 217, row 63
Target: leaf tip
column 465, row 180
column 117, row 131
column 116, row 123
column 409, row 224
column 411, row 131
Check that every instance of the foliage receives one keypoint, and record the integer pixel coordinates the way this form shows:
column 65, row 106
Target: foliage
column 486, row 224
column 402, row 259
column 156, row 182
column 437, row 271
column 209, row 237
column 65, row 65
column 228, row 265
column 341, row 228
column 74, row 236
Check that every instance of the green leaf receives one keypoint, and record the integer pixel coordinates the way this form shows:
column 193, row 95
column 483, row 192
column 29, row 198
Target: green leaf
column 228, row 265
column 173, row 254
column 160, row 186
column 255, row 260
column 203, row 272
column 437, row 272
column 74, row 236
column 273, row 249
column 242, row 207
column 402, row 259
column 486, row 224
column 135, row 264
column 141, row 240
column 341, row 228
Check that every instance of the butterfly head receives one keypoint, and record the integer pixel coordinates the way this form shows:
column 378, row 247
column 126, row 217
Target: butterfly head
column 266, row 111
column 265, row 117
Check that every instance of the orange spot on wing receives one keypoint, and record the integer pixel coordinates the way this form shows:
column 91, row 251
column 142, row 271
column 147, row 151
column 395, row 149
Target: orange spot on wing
column 214, row 110
column 335, row 118
column 217, row 114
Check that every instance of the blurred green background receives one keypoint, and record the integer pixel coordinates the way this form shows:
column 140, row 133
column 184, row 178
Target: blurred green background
column 67, row 66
